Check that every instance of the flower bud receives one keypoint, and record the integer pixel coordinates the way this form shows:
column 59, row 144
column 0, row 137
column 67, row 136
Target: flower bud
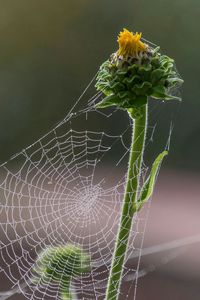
column 135, row 72
column 61, row 263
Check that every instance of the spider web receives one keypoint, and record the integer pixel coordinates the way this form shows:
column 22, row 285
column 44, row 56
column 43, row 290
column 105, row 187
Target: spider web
column 67, row 188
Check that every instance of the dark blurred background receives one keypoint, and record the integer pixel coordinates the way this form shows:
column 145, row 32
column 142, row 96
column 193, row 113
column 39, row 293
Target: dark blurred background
column 49, row 52
column 51, row 49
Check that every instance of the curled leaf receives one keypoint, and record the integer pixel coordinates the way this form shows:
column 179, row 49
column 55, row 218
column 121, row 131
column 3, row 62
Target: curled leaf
column 148, row 187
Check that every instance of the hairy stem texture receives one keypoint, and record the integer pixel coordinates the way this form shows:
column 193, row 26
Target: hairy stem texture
column 130, row 197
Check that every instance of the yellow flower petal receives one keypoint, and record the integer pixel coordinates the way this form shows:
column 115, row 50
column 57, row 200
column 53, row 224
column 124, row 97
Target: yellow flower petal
column 130, row 43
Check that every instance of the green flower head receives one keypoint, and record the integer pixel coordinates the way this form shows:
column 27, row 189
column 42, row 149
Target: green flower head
column 134, row 73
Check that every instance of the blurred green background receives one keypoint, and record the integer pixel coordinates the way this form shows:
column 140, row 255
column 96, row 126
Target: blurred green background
column 51, row 49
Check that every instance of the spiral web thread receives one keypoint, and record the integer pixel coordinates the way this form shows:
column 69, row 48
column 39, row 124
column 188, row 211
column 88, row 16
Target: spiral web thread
column 67, row 188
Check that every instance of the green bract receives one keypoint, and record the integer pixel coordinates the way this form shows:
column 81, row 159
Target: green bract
column 127, row 83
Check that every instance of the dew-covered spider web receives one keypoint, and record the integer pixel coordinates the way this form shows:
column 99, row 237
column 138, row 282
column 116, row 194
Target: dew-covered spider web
column 67, row 188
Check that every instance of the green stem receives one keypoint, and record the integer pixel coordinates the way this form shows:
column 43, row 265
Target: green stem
column 130, row 197
column 65, row 293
